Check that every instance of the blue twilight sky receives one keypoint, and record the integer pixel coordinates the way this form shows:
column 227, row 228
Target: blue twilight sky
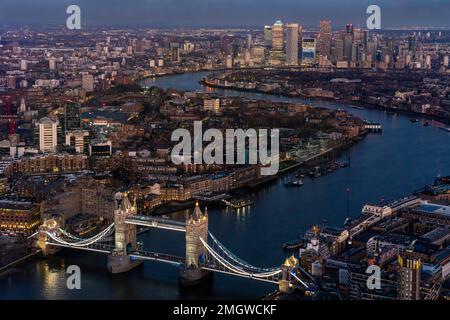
column 232, row 13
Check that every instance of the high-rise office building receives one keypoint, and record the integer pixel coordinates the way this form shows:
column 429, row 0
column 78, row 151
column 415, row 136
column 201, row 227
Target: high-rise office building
column 23, row 65
column 88, row 82
column 365, row 38
column 325, row 38
column 349, row 28
column 409, row 269
column 175, row 52
column 278, row 36
column 52, row 63
column 357, row 34
column 348, row 46
column 292, row 32
column 72, row 117
column 412, row 44
column 354, row 55
column 47, row 134
column 338, row 50
column 249, row 41
column 268, row 36
column 308, row 50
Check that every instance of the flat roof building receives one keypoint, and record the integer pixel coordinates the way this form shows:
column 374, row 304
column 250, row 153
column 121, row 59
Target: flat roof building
column 17, row 216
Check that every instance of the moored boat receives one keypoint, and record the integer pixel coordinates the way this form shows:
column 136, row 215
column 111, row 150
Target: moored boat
column 294, row 183
column 291, row 245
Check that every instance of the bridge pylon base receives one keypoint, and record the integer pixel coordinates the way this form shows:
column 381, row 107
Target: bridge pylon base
column 285, row 287
column 47, row 250
column 194, row 276
column 121, row 263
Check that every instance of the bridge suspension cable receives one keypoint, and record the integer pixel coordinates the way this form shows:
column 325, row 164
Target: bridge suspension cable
column 83, row 242
column 71, row 236
column 299, row 280
column 33, row 235
column 238, row 260
column 236, row 269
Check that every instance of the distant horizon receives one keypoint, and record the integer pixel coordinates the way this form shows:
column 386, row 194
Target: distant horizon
column 225, row 13
column 212, row 27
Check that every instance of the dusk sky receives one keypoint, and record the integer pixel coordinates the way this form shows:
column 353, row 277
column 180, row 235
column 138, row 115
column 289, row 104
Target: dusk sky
column 232, row 13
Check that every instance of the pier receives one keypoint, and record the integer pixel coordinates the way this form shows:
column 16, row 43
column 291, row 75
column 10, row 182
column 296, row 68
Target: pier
column 238, row 204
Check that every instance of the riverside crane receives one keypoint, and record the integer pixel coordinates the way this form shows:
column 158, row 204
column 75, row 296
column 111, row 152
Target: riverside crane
column 9, row 116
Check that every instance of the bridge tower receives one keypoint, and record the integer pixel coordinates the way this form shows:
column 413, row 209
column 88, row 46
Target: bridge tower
column 52, row 226
column 124, row 236
column 196, row 253
column 290, row 264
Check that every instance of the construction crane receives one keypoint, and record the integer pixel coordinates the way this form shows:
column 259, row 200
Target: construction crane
column 9, row 116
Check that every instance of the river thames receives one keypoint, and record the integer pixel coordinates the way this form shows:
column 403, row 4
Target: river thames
column 404, row 158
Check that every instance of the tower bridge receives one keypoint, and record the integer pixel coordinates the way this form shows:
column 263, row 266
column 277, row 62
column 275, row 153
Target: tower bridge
column 204, row 253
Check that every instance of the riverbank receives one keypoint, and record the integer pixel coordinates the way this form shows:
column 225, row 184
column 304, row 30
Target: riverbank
column 175, row 73
column 445, row 121
column 338, row 149
column 261, row 182
column 203, row 81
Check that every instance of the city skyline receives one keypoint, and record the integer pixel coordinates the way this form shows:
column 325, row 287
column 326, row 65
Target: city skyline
column 200, row 13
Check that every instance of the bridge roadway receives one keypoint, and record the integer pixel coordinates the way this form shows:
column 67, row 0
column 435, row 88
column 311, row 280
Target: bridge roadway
column 138, row 254
column 100, row 248
column 214, row 268
column 161, row 257
column 159, row 223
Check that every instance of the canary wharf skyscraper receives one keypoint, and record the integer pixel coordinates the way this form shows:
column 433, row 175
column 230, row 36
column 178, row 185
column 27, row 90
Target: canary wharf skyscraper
column 325, row 38
column 268, row 36
column 278, row 36
column 292, row 32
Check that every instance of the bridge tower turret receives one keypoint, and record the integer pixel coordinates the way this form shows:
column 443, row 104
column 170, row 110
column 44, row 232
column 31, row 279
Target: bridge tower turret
column 290, row 264
column 52, row 226
column 124, row 237
column 196, row 228
column 196, row 253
